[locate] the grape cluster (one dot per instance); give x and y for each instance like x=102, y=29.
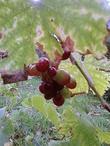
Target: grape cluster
x=55, y=82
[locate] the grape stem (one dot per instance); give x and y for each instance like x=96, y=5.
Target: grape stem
x=76, y=59
x=78, y=93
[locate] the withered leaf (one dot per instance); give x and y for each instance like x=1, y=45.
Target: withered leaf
x=68, y=44
x=20, y=75
x=40, y=52
x=57, y=59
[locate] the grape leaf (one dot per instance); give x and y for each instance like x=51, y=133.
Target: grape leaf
x=40, y=104
x=20, y=20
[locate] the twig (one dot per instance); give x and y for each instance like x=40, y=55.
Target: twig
x=78, y=93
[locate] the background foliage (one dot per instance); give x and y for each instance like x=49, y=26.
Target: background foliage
x=83, y=20
x=24, y=114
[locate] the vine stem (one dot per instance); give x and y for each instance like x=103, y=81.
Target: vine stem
x=75, y=59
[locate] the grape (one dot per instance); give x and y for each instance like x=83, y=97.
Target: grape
x=50, y=94
x=52, y=71
x=57, y=86
x=62, y=77
x=66, y=54
x=47, y=88
x=72, y=84
x=46, y=77
x=43, y=64
x=66, y=93
x=48, y=97
x=32, y=71
x=42, y=88
x=58, y=100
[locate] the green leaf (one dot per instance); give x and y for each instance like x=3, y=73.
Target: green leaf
x=47, y=109
x=84, y=21
x=84, y=135
x=52, y=114
x=18, y=19
x=100, y=79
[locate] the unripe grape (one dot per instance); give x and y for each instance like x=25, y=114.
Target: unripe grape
x=43, y=64
x=62, y=77
x=72, y=84
x=65, y=92
x=32, y=71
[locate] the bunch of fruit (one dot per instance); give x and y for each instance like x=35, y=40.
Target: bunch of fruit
x=55, y=82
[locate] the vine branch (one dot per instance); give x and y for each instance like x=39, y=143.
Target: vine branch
x=74, y=57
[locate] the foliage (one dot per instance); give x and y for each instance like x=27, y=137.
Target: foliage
x=19, y=20
x=75, y=18
x=24, y=114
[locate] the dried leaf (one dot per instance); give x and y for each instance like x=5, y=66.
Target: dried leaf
x=39, y=50
x=57, y=59
x=20, y=75
x=68, y=44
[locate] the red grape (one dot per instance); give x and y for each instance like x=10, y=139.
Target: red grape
x=47, y=88
x=42, y=88
x=48, y=97
x=58, y=100
x=52, y=71
x=57, y=86
x=72, y=84
x=43, y=64
x=50, y=94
